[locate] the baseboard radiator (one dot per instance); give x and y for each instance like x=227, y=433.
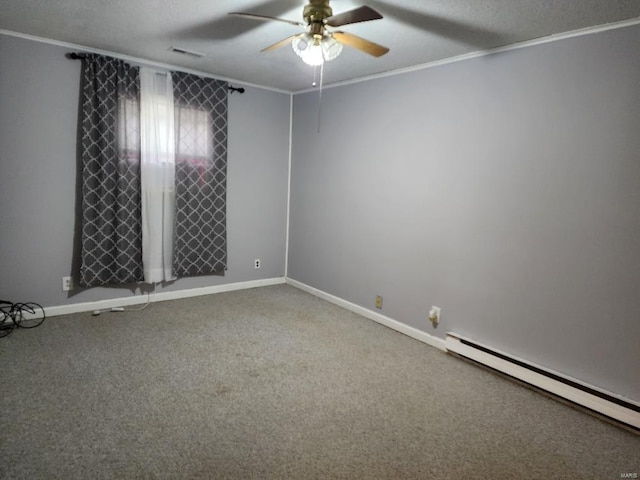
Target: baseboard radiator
x=597, y=400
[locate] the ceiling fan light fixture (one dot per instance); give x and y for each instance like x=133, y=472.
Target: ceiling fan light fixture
x=315, y=50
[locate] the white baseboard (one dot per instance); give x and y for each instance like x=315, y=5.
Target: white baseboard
x=545, y=379
x=376, y=317
x=158, y=297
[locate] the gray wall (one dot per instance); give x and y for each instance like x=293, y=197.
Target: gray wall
x=38, y=123
x=504, y=189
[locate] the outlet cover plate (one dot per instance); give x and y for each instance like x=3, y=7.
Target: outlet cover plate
x=378, y=301
x=67, y=284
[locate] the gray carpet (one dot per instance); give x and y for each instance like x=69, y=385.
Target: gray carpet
x=274, y=383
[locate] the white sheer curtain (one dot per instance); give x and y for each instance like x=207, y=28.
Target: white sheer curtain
x=157, y=170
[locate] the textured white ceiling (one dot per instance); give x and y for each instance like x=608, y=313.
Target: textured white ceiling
x=417, y=32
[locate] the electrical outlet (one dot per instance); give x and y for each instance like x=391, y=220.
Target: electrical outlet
x=378, y=301
x=67, y=284
x=256, y=263
x=434, y=315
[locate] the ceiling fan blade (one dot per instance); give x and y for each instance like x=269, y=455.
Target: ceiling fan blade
x=360, y=43
x=468, y=32
x=265, y=18
x=361, y=14
x=281, y=43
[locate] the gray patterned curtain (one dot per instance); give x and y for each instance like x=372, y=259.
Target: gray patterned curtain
x=111, y=239
x=200, y=245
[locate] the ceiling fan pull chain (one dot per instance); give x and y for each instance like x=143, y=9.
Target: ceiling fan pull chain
x=320, y=95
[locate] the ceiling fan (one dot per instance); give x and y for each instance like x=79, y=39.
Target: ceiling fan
x=320, y=43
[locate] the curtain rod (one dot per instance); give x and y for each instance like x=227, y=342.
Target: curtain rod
x=80, y=56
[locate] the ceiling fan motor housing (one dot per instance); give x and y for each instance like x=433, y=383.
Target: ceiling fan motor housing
x=315, y=14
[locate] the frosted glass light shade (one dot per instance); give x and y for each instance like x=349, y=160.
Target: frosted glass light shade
x=331, y=48
x=316, y=50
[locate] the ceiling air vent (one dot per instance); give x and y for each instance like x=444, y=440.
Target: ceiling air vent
x=186, y=52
